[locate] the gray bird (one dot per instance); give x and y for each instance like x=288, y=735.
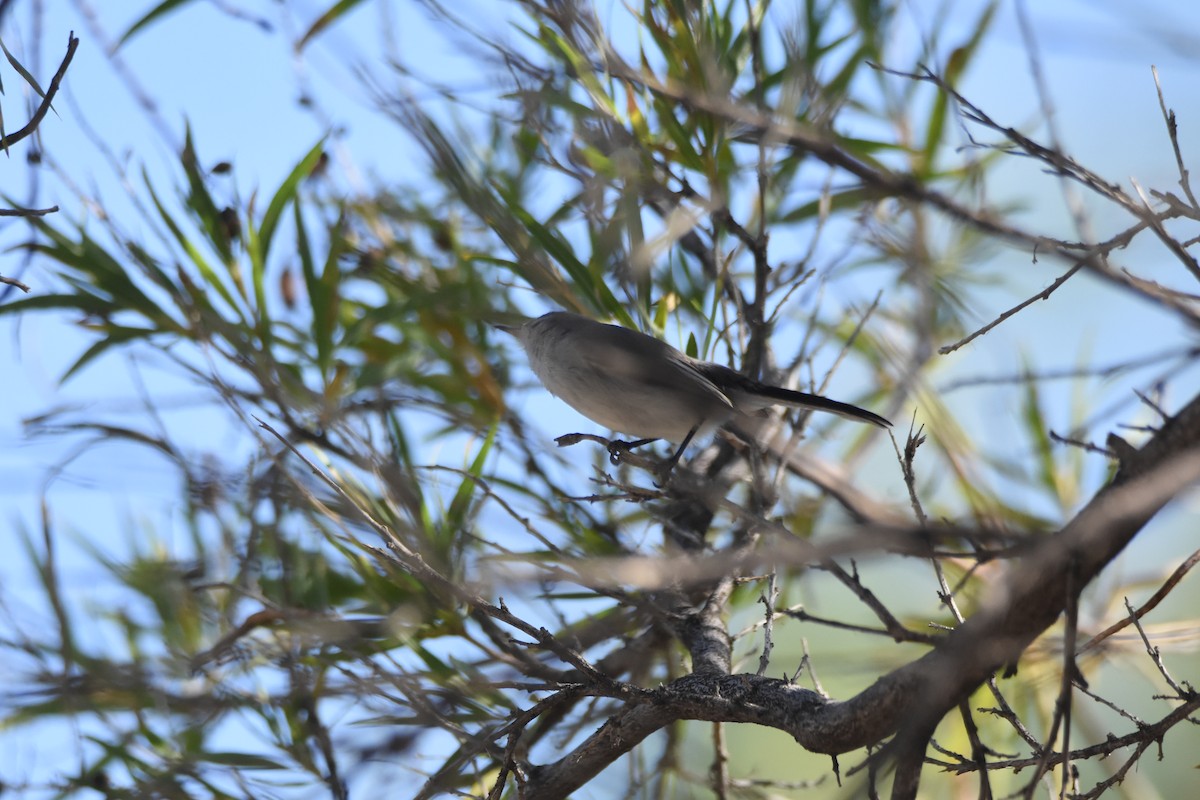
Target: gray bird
x=641, y=386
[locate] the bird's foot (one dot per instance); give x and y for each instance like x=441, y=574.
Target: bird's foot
x=618, y=448
x=662, y=475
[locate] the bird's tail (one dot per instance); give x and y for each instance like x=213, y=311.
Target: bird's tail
x=805, y=400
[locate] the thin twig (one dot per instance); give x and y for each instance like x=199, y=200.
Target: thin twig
x=1142, y=738
x=51, y=91
x=1171, y=582
x=1173, y=132
x=27, y=212
x=719, y=771
x=1042, y=295
x=414, y=563
x=1169, y=241
x=14, y=282
x=767, y=598
x=978, y=751
x=1156, y=656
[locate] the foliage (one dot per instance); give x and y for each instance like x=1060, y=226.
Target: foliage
x=399, y=575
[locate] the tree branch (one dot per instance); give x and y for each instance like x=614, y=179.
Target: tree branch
x=51, y=91
x=911, y=700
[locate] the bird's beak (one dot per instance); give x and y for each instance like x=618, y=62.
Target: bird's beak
x=512, y=330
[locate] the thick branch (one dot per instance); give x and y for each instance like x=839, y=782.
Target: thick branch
x=1036, y=590
x=912, y=699
x=805, y=714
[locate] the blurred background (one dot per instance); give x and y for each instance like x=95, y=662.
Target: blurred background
x=434, y=161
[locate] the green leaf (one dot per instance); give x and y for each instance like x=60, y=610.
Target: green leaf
x=88, y=304
x=325, y=20
x=24, y=73
x=96, y=275
x=439, y=670
x=116, y=335
x=284, y=194
x=323, y=293
x=955, y=67
x=161, y=10
x=1037, y=429
x=261, y=310
x=596, y=292
x=201, y=202
x=459, y=505
x=242, y=760
x=205, y=269
x=838, y=201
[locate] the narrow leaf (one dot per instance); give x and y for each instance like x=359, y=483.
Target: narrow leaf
x=325, y=20
x=285, y=193
x=24, y=73
x=161, y=10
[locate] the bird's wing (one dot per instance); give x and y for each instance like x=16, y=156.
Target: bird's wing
x=629, y=356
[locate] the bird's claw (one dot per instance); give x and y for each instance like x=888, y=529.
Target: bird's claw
x=616, y=449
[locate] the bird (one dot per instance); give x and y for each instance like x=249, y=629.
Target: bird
x=637, y=385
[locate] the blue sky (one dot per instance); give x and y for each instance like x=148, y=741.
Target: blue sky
x=239, y=87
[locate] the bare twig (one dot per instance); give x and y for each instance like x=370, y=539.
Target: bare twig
x=415, y=564
x=1021, y=306
x=1086, y=446
x=1109, y=370
x=27, y=212
x=14, y=282
x=1145, y=736
x=47, y=99
x=1171, y=582
x=1173, y=132
x=1156, y=656
x=767, y=598
x=897, y=633
x=1170, y=242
